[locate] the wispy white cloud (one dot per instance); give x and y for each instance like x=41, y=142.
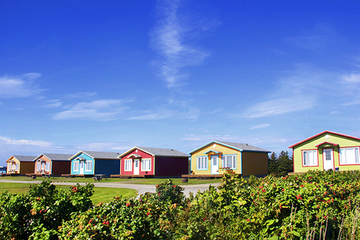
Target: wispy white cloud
x=19, y=86
x=351, y=78
x=25, y=142
x=350, y=88
x=169, y=40
x=279, y=106
x=104, y=146
x=160, y=114
x=54, y=103
x=164, y=113
x=317, y=39
x=99, y=110
x=260, y=126
x=298, y=90
x=81, y=95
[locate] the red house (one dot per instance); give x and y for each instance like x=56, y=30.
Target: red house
x=156, y=162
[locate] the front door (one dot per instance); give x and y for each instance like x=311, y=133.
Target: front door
x=328, y=159
x=214, y=164
x=82, y=167
x=136, y=166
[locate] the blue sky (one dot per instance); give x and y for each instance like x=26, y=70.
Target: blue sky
x=110, y=75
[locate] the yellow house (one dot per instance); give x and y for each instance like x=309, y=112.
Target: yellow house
x=215, y=157
x=20, y=165
x=327, y=150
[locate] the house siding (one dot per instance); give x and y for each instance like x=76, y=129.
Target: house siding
x=60, y=167
x=311, y=144
x=87, y=158
x=143, y=155
x=24, y=167
x=219, y=148
x=107, y=167
x=254, y=163
x=45, y=159
x=171, y=166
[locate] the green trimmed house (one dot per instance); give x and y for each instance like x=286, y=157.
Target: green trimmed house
x=326, y=150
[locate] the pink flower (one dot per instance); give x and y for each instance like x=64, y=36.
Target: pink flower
x=127, y=204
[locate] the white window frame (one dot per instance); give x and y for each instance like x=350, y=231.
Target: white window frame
x=47, y=166
x=127, y=164
x=17, y=167
x=229, y=160
x=38, y=166
x=310, y=158
x=76, y=166
x=202, y=162
x=146, y=164
x=88, y=166
x=345, y=157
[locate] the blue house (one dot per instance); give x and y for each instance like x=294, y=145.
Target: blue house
x=90, y=163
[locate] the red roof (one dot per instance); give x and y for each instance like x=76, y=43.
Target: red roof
x=324, y=132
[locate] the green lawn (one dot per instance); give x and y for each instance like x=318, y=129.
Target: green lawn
x=100, y=194
x=152, y=181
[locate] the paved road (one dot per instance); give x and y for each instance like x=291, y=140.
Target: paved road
x=140, y=188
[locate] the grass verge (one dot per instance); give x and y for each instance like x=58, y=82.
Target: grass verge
x=100, y=194
x=150, y=181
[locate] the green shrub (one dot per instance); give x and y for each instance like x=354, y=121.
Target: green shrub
x=38, y=214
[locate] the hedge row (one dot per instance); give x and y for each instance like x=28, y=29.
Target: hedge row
x=316, y=205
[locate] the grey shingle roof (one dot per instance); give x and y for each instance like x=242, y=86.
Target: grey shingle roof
x=243, y=146
x=57, y=156
x=102, y=155
x=24, y=158
x=239, y=146
x=164, y=152
x=169, y=152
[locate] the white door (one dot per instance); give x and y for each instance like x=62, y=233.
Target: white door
x=214, y=164
x=328, y=159
x=82, y=166
x=136, y=166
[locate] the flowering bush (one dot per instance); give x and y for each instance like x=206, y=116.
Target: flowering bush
x=38, y=214
x=315, y=205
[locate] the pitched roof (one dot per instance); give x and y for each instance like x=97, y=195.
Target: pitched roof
x=98, y=154
x=322, y=133
x=163, y=152
x=239, y=146
x=56, y=156
x=24, y=158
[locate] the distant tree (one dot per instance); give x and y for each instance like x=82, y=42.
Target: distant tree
x=281, y=165
x=272, y=163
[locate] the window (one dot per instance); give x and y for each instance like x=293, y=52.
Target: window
x=202, y=163
x=47, y=166
x=310, y=158
x=88, y=166
x=145, y=164
x=128, y=164
x=229, y=161
x=76, y=166
x=38, y=166
x=17, y=167
x=349, y=155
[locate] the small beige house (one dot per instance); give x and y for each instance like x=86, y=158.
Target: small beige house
x=215, y=157
x=326, y=150
x=20, y=165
